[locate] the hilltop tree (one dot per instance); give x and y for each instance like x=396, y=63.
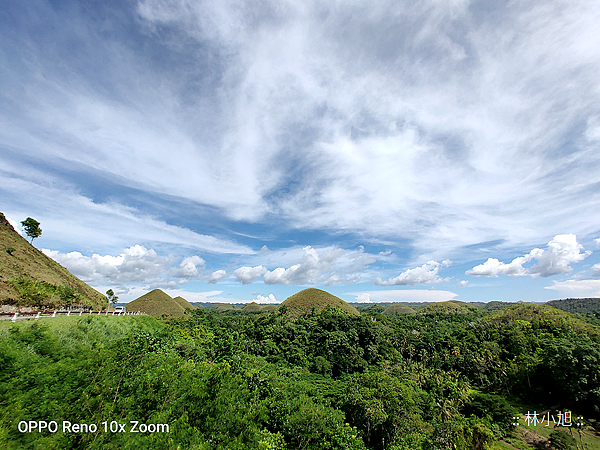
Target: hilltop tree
x=32, y=228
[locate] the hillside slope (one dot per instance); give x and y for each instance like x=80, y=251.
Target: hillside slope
x=30, y=278
x=304, y=301
x=184, y=303
x=156, y=303
x=577, y=305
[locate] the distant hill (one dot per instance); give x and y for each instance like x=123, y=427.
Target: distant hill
x=269, y=307
x=577, y=305
x=184, y=303
x=448, y=307
x=252, y=307
x=156, y=303
x=222, y=307
x=30, y=278
x=304, y=301
x=398, y=308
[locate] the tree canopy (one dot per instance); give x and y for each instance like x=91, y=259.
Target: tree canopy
x=32, y=228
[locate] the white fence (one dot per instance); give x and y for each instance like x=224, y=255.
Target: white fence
x=36, y=315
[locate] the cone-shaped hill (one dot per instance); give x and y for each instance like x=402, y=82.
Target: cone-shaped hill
x=304, y=301
x=29, y=278
x=398, y=308
x=156, y=303
x=448, y=307
x=222, y=307
x=252, y=307
x=184, y=303
x=269, y=307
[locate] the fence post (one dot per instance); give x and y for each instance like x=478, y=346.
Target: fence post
x=14, y=319
x=69, y=314
x=54, y=315
x=38, y=315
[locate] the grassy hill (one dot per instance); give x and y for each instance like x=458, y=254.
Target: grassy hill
x=184, y=303
x=577, y=305
x=252, y=307
x=28, y=278
x=448, y=307
x=156, y=303
x=222, y=307
x=398, y=308
x=304, y=301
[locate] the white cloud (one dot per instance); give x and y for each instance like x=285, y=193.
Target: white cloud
x=268, y=299
x=562, y=251
x=463, y=283
x=596, y=270
x=407, y=295
x=426, y=274
x=76, y=221
x=577, y=288
x=329, y=266
x=246, y=275
x=435, y=121
x=190, y=267
x=364, y=298
x=134, y=264
x=16, y=225
x=216, y=276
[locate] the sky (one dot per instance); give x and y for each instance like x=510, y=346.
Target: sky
x=237, y=151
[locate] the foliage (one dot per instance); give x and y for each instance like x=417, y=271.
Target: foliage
x=32, y=228
x=560, y=440
x=110, y=294
x=46, y=295
x=325, y=380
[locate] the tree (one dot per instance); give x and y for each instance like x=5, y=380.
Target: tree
x=32, y=228
x=112, y=297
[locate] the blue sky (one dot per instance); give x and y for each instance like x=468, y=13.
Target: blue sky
x=239, y=151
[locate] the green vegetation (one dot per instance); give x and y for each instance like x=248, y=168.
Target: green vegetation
x=41, y=295
x=322, y=380
x=577, y=305
x=305, y=301
x=112, y=298
x=32, y=228
x=156, y=303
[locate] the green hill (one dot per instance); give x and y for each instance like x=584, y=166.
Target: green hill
x=398, y=308
x=304, y=301
x=252, y=307
x=448, y=307
x=156, y=303
x=577, y=305
x=269, y=307
x=184, y=303
x=222, y=307
x=28, y=278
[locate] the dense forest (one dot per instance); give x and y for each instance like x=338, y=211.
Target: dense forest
x=326, y=380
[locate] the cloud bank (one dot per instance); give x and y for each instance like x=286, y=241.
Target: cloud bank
x=562, y=251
